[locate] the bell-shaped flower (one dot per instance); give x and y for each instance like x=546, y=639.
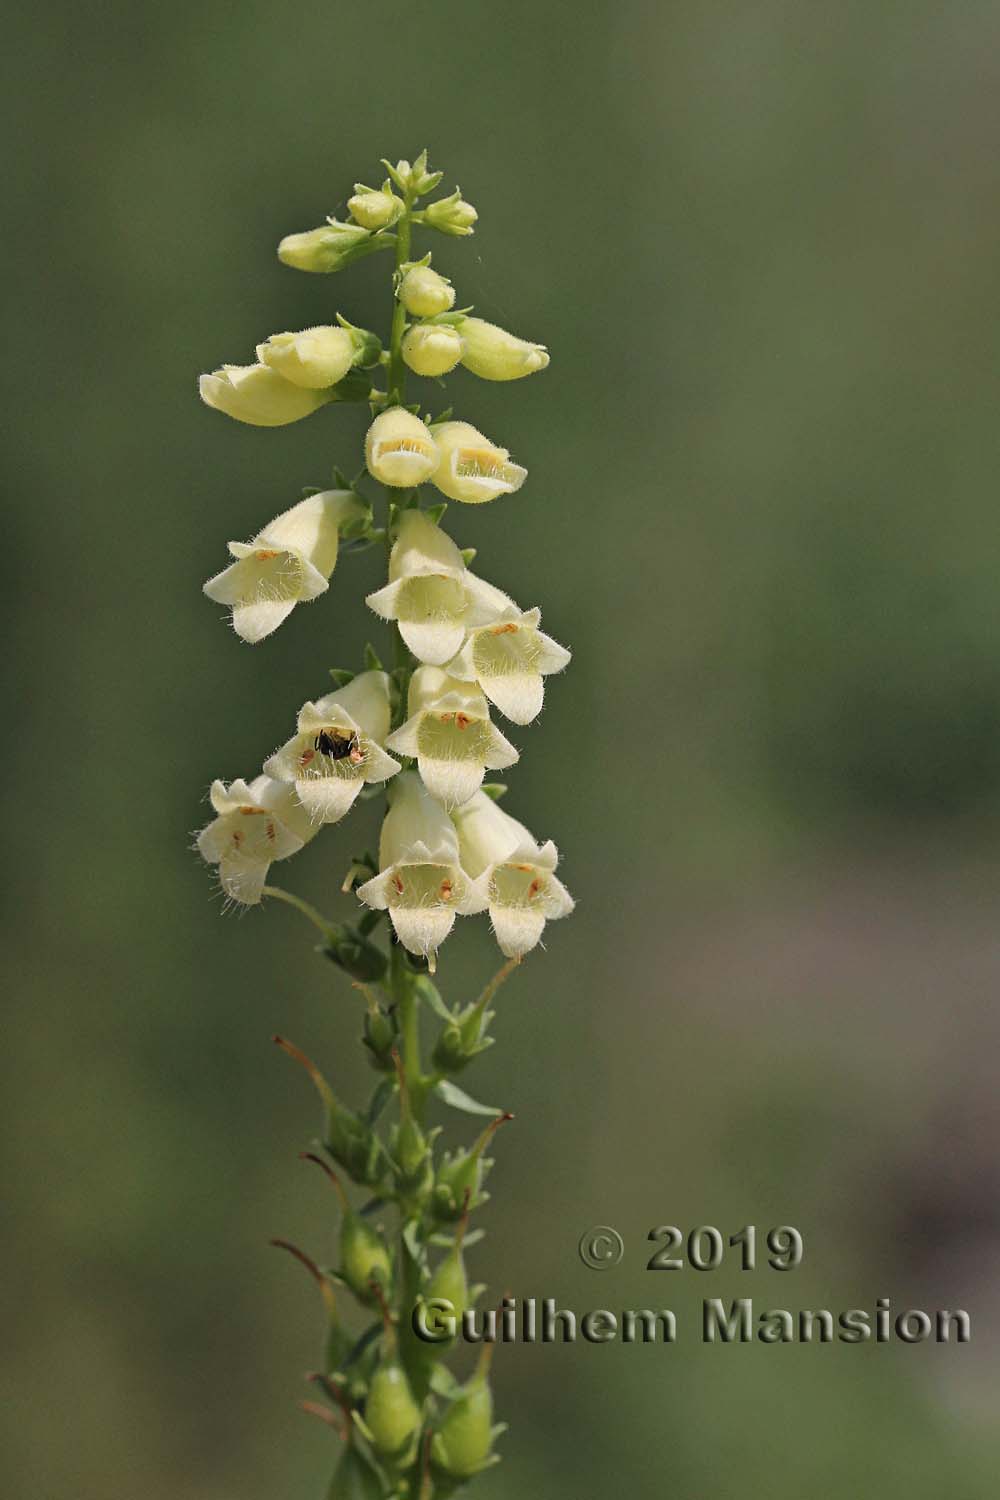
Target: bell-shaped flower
x=431, y=594
x=471, y=468
x=494, y=354
x=254, y=825
x=288, y=562
x=399, y=449
x=315, y=358
x=516, y=873
x=432, y=348
x=508, y=658
x=420, y=882
x=259, y=396
x=450, y=735
x=337, y=747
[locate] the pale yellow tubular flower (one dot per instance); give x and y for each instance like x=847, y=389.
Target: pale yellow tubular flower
x=255, y=824
x=509, y=658
x=449, y=734
x=494, y=354
x=258, y=396
x=432, y=348
x=431, y=594
x=399, y=449
x=338, y=747
x=287, y=563
x=470, y=468
x=515, y=874
x=315, y=358
x=420, y=882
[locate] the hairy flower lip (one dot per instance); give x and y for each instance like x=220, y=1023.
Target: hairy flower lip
x=471, y=469
x=255, y=824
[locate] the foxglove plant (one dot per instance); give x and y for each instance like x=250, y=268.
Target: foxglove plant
x=420, y=731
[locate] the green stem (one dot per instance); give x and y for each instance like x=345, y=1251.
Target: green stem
x=397, y=369
x=325, y=927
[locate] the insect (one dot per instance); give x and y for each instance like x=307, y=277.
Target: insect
x=337, y=745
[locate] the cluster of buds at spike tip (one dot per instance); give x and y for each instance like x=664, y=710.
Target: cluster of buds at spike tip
x=422, y=736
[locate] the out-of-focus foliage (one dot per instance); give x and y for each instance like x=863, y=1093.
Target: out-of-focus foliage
x=761, y=244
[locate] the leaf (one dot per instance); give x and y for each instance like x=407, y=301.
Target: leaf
x=446, y=1241
x=427, y=990
x=495, y=789
x=411, y=1239
x=341, y=676
x=380, y=1099
x=443, y=1383
x=368, y=1337
x=373, y=662
x=449, y=1093
x=435, y=512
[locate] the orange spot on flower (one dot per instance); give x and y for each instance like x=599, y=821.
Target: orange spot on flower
x=509, y=629
x=253, y=812
x=462, y=721
x=266, y=554
x=445, y=890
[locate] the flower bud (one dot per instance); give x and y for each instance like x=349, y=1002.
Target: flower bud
x=424, y=293
x=314, y=358
x=258, y=395
x=494, y=354
x=374, y=209
x=348, y=1138
x=392, y=1416
x=351, y=951
x=399, y=449
x=328, y=248
x=471, y=468
x=451, y=215
x=432, y=348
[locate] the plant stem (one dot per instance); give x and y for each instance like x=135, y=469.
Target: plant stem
x=325, y=927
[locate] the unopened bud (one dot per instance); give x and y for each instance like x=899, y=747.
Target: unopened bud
x=432, y=348
x=314, y=358
x=328, y=248
x=424, y=293
x=258, y=396
x=494, y=354
x=374, y=209
x=451, y=215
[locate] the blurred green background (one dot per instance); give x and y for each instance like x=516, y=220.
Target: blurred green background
x=761, y=242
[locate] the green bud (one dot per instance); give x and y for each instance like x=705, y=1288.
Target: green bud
x=328, y=248
x=463, y=1444
x=450, y=1284
x=392, y=1416
x=494, y=354
x=451, y=215
x=424, y=293
x=411, y=1150
x=432, y=349
x=354, y=1478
